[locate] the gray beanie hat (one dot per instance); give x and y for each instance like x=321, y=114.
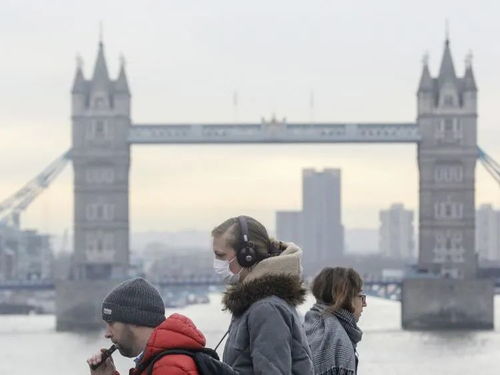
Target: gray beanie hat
x=134, y=301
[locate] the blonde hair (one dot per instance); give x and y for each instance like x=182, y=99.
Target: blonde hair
x=264, y=245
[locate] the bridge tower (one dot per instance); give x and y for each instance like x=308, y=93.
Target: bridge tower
x=450, y=295
x=447, y=118
x=101, y=159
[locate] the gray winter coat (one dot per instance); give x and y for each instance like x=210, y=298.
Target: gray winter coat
x=266, y=336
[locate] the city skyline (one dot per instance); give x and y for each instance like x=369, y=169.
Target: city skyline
x=342, y=83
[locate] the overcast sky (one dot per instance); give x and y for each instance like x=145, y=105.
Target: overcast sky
x=185, y=59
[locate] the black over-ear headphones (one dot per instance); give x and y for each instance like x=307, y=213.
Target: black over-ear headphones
x=245, y=254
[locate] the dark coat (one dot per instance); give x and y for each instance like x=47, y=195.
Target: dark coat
x=266, y=334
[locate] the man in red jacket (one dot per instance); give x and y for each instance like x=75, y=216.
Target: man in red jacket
x=134, y=313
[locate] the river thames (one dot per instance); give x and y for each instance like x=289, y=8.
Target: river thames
x=30, y=344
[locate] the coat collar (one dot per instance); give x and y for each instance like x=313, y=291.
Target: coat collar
x=238, y=298
x=177, y=331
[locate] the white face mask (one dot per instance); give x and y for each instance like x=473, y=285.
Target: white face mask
x=221, y=268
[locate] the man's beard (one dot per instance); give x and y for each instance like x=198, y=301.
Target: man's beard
x=125, y=345
x=125, y=351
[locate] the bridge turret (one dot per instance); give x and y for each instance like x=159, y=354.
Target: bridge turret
x=469, y=87
x=425, y=94
x=101, y=88
x=79, y=91
x=447, y=83
x=122, y=91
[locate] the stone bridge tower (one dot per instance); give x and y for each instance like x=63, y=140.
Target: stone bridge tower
x=447, y=118
x=101, y=160
x=449, y=296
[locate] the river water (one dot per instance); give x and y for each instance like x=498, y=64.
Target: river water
x=30, y=345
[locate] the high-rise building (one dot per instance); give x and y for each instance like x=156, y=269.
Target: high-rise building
x=488, y=233
x=396, y=233
x=318, y=227
x=323, y=233
x=289, y=227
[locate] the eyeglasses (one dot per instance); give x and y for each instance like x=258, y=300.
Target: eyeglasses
x=363, y=297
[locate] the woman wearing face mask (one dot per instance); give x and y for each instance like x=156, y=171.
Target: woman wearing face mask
x=265, y=286
x=331, y=324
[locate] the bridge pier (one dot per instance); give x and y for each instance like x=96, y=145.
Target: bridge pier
x=434, y=304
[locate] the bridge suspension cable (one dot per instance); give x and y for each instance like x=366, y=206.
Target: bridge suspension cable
x=11, y=207
x=489, y=164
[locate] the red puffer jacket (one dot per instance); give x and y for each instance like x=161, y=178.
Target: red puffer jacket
x=177, y=331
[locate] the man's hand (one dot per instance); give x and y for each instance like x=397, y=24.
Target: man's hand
x=107, y=368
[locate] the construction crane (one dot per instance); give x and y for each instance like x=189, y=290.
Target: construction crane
x=489, y=164
x=11, y=207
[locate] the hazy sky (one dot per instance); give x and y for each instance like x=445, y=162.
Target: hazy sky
x=184, y=61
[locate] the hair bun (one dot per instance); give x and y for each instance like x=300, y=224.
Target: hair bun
x=276, y=247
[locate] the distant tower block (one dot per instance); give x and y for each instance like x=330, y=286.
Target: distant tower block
x=323, y=232
x=396, y=232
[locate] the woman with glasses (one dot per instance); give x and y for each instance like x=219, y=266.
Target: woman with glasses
x=331, y=324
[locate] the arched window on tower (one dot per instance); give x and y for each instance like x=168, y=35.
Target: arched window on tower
x=449, y=101
x=100, y=175
x=448, y=209
x=99, y=129
x=448, y=96
x=449, y=130
x=100, y=211
x=99, y=102
x=100, y=246
x=448, y=247
x=448, y=172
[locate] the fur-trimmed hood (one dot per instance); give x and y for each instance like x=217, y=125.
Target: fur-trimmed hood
x=288, y=262
x=279, y=276
x=238, y=298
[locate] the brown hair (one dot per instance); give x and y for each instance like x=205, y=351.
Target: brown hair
x=337, y=287
x=257, y=234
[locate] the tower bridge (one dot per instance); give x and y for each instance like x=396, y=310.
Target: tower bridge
x=444, y=133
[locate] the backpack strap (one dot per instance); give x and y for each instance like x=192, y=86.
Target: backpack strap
x=208, y=351
x=222, y=339
x=193, y=353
